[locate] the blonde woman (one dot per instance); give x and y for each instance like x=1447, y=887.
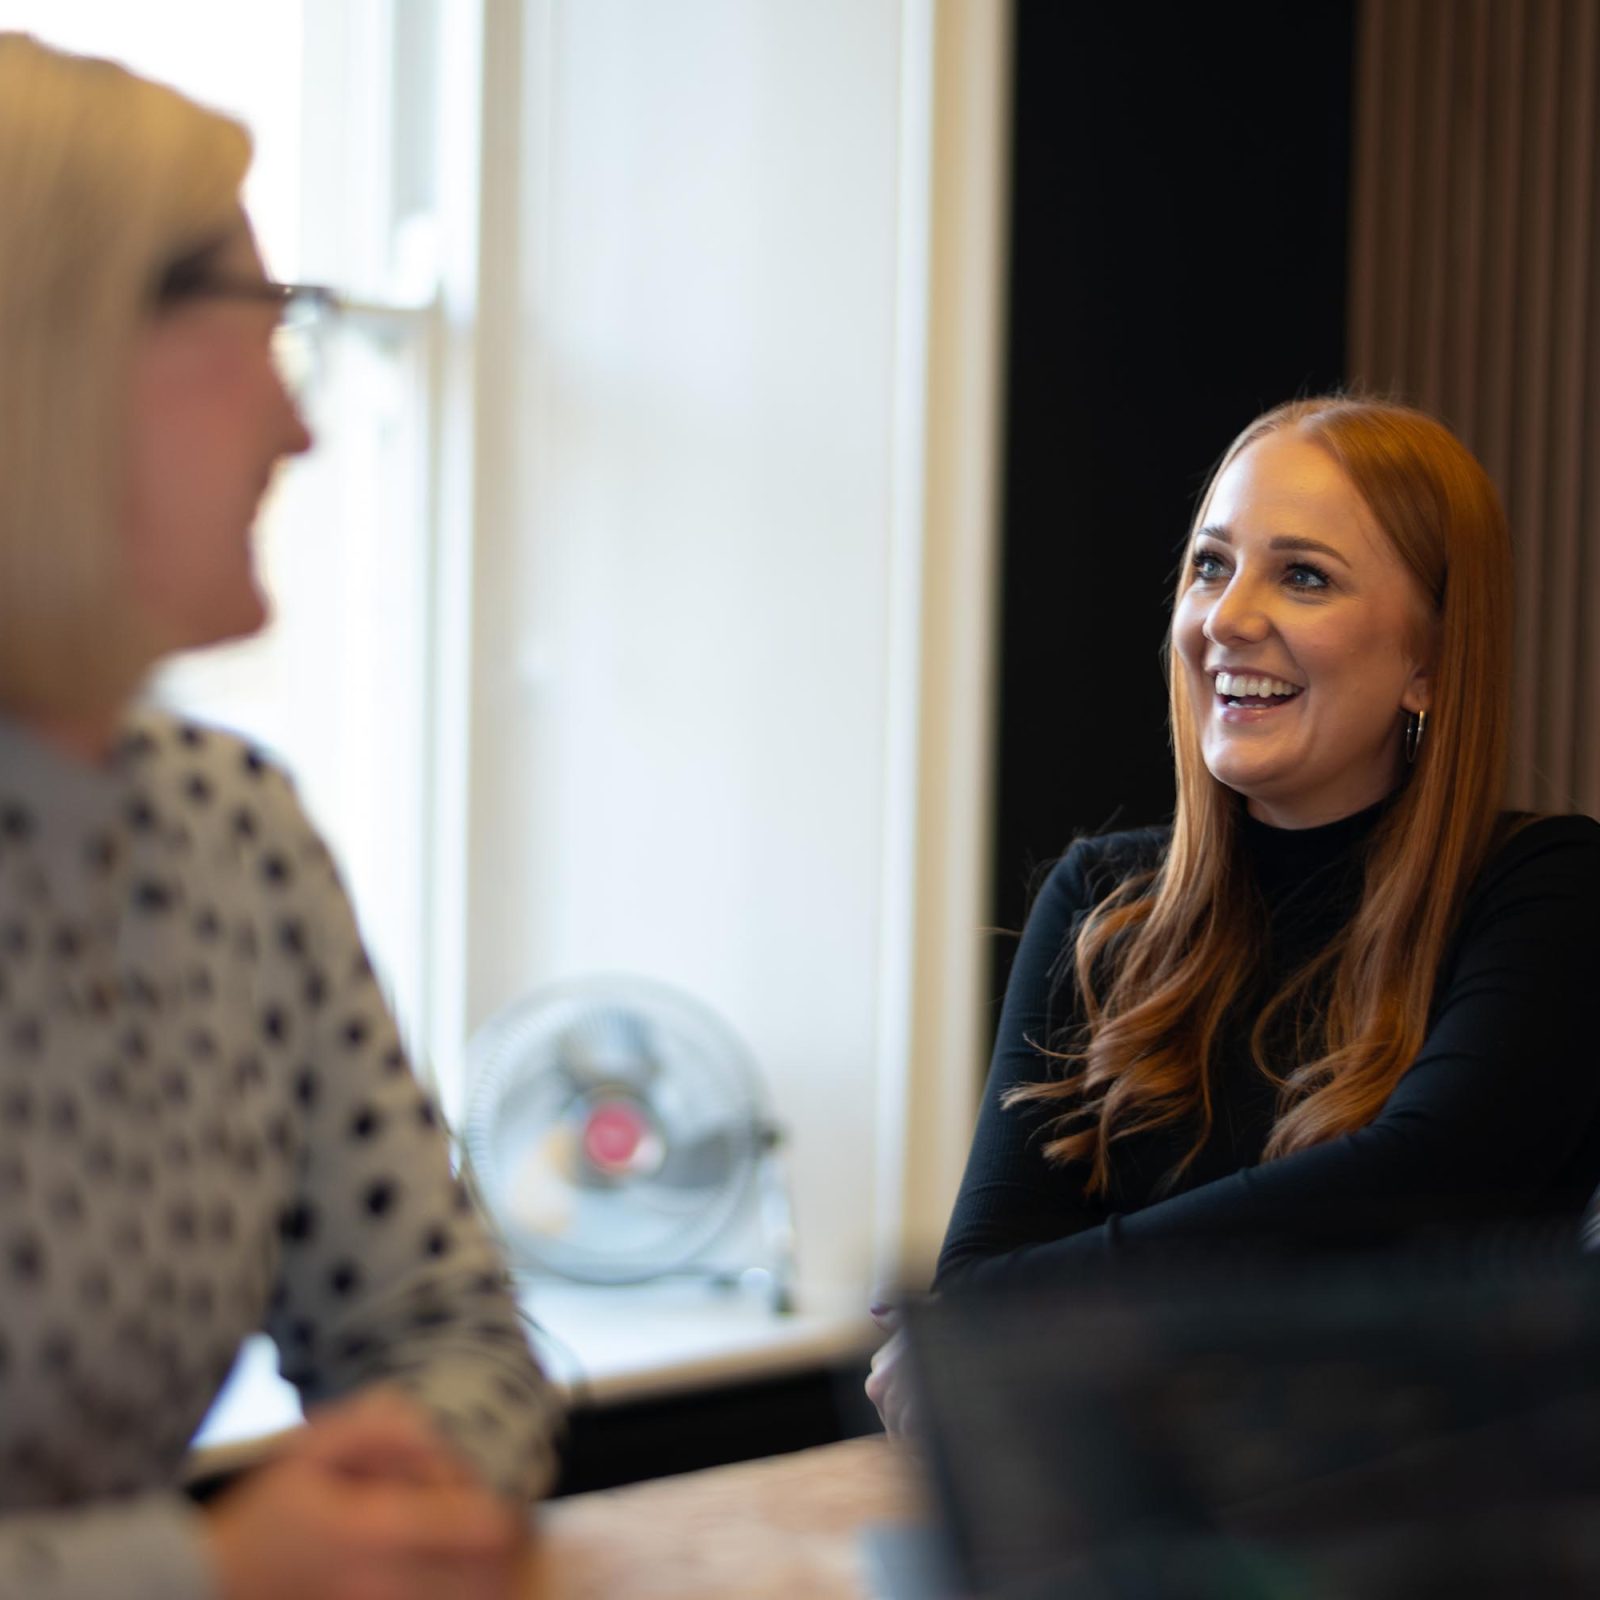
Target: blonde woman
x=1345, y=993
x=207, y=1125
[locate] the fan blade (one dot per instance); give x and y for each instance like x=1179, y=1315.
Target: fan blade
x=609, y=1046
x=706, y=1162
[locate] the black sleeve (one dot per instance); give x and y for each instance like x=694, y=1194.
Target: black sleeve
x=1504, y=1095
x=1010, y=1195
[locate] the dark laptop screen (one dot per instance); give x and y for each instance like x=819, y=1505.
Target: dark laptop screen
x=1409, y=1425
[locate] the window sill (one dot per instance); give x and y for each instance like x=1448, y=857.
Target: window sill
x=643, y=1341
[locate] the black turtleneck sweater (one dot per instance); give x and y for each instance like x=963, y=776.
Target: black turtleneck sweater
x=1499, y=1116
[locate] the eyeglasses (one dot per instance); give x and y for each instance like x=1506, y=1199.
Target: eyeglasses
x=306, y=314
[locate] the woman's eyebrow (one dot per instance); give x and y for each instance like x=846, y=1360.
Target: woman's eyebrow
x=1287, y=541
x=1282, y=541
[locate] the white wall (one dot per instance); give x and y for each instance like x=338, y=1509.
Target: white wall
x=699, y=743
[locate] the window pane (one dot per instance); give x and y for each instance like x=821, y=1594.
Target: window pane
x=244, y=60
x=337, y=686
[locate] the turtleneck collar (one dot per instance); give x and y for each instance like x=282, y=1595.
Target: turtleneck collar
x=1286, y=855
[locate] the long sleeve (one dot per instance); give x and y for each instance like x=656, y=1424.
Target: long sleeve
x=207, y=1125
x=1498, y=1115
x=387, y=1272
x=147, y=1547
x=1010, y=1196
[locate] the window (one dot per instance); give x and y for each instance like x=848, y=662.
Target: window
x=633, y=612
x=342, y=191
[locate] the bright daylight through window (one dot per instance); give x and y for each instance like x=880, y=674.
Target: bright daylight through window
x=337, y=687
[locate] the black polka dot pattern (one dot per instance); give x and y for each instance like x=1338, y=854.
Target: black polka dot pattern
x=207, y=1126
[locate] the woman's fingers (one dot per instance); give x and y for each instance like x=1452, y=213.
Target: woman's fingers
x=431, y=1521
x=380, y=1434
x=888, y=1388
x=300, y=1528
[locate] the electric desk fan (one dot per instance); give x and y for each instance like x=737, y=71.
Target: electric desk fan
x=617, y=1133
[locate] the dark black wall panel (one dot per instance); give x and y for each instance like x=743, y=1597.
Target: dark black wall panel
x=1178, y=263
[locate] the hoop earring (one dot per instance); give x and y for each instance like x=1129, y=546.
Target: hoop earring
x=1416, y=727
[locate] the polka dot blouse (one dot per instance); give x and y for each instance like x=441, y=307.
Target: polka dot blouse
x=207, y=1127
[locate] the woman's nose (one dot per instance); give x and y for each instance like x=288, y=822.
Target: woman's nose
x=1237, y=615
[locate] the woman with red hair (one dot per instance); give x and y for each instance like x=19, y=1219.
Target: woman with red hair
x=1344, y=994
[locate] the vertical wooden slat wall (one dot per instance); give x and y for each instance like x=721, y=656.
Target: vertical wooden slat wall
x=1475, y=293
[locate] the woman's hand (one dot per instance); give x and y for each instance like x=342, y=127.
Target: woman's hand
x=379, y=1433
x=366, y=1503
x=888, y=1386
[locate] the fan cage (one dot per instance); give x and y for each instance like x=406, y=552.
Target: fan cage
x=515, y=1048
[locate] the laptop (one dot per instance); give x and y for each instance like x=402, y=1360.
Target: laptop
x=1412, y=1425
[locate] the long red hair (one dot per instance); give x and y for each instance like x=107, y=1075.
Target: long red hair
x=1161, y=961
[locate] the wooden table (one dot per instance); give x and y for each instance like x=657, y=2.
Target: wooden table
x=787, y=1528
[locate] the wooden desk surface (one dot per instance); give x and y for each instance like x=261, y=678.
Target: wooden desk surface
x=787, y=1528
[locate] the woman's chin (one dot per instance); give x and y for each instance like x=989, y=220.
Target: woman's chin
x=1251, y=774
x=242, y=619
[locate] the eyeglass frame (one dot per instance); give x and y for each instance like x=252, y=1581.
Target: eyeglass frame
x=268, y=290
x=315, y=301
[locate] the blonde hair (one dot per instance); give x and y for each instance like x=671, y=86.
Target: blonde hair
x=1160, y=963
x=105, y=180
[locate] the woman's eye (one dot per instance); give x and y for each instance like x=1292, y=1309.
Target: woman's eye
x=1302, y=575
x=1207, y=565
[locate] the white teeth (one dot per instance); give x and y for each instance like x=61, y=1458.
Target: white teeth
x=1239, y=685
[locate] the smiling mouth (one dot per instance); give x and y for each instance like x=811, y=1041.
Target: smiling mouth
x=1255, y=691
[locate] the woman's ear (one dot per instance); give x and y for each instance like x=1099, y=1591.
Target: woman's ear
x=1418, y=693
x=1424, y=649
